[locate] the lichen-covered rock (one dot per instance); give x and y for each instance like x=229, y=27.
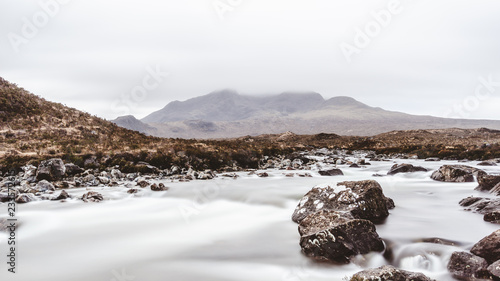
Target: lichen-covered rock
x=389, y=273
x=488, y=247
x=340, y=241
x=363, y=199
x=405, y=168
x=92, y=196
x=494, y=270
x=331, y=172
x=52, y=169
x=323, y=219
x=487, y=182
x=456, y=173
x=466, y=266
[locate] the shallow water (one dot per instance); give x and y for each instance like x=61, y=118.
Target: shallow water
x=227, y=229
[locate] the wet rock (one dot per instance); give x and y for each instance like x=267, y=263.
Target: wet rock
x=466, y=266
x=159, y=187
x=92, y=196
x=263, y=175
x=456, y=173
x=62, y=196
x=305, y=175
x=481, y=205
x=432, y=159
x=43, y=186
x=72, y=169
x=440, y=241
x=487, y=163
x=494, y=270
x=322, y=220
x=340, y=239
x=206, y=175
x=493, y=217
x=388, y=273
x=133, y=190
x=363, y=199
x=354, y=165
x=331, y=172
x=51, y=170
x=488, y=247
x=496, y=190
x=487, y=182
x=4, y=197
x=25, y=198
x=142, y=183
x=405, y=168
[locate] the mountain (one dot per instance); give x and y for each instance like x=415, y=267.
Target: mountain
x=223, y=114
x=132, y=123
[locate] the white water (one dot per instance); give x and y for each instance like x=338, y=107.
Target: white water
x=227, y=229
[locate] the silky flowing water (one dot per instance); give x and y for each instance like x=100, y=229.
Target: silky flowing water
x=233, y=229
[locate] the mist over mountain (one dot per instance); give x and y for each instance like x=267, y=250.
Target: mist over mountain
x=226, y=113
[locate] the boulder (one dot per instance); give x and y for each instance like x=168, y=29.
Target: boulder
x=493, y=217
x=25, y=198
x=494, y=270
x=51, y=170
x=43, y=186
x=456, y=173
x=405, y=168
x=466, y=266
x=142, y=183
x=159, y=187
x=72, y=169
x=104, y=180
x=388, y=273
x=331, y=172
x=4, y=197
x=263, y=175
x=62, y=196
x=487, y=182
x=133, y=190
x=92, y=196
x=354, y=165
x=336, y=238
x=116, y=174
x=488, y=247
x=363, y=199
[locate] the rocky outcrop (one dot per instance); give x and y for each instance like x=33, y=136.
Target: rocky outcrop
x=337, y=223
x=488, y=247
x=388, y=273
x=467, y=266
x=457, y=173
x=405, y=168
x=331, y=172
x=51, y=170
x=363, y=199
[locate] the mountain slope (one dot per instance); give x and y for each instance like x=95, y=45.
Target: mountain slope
x=223, y=114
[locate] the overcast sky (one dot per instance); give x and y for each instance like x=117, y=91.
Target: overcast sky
x=111, y=57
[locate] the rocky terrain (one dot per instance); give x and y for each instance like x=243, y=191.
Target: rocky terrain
x=223, y=114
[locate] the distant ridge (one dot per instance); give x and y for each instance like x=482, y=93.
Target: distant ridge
x=225, y=113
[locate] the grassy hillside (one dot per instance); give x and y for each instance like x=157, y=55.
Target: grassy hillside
x=33, y=129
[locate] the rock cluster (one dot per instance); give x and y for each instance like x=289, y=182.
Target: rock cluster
x=337, y=223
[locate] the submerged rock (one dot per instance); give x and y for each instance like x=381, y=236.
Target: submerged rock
x=488, y=247
x=51, y=170
x=456, y=173
x=466, y=266
x=388, y=273
x=363, y=199
x=405, y=168
x=331, y=172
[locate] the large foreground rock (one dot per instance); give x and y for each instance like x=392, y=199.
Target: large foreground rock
x=457, y=173
x=363, y=199
x=405, y=168
x=329, y=236
x=51, y=170
x=388, y=273
x=488, y=247
x=467, y=266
